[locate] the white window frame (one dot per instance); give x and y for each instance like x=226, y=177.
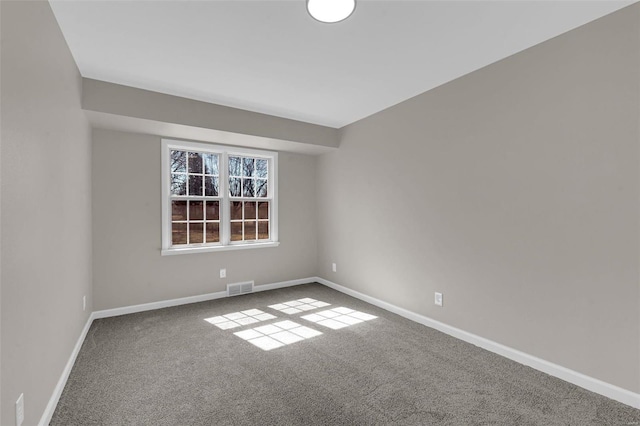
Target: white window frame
x=224, y=152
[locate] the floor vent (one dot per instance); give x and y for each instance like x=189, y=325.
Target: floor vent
x=239, y=288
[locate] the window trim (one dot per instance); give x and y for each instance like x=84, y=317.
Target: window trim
x=223, y=193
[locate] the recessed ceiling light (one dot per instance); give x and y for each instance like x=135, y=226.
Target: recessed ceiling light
x=330, y=11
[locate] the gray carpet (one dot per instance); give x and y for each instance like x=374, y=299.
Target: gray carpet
x=171, y=367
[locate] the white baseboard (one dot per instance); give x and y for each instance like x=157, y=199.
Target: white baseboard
x=594, y=385
x=57, y=391
x=158, y=305
x=192, y=299
x=284, y=284
x=598, y=386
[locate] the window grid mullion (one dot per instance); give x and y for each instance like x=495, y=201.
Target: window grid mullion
x=225, y=210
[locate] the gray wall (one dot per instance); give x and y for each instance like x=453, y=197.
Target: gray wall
x=514, y=191
x=127, y=266
x=46, y=207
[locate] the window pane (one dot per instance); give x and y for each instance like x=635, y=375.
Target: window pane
x=263, y=230
x=211, y=186
x=179, y=161
x=263, y=210
x=178, y=233
x=234, y=166
x=195, y=162
x=236, y=231
x=261, y=187
x=210, y=164
x=195, y=185
x=249, y=210
x=213, y=210
x=234, y=187
x=196, y=234
x=248, y=188
x=236, y=210
x=179, y=184
x=247, y=166
x=250, y=230
x=178, y=210
x=261, y=168
x=213, y=232
x=196, y=210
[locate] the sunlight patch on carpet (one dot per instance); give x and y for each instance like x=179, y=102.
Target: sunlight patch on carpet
x=276, y=335
x=283, y=333
x=238, y=319
x=338, y=318
x=301, y=305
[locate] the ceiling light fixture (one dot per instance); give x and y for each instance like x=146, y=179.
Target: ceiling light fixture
x=330, y=11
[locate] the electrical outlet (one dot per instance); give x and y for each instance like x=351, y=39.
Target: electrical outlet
x=84, y=303
x=334, y=267
x=20, y=410
x=438, y=299
x=223, y=273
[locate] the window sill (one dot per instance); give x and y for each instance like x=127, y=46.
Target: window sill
x=188, y=250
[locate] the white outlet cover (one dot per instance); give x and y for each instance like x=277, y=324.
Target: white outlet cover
x=438, y=299
x=20, y=410
x=223, y=273
x=334, y=267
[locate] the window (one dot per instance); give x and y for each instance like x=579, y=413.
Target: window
x=217, y=198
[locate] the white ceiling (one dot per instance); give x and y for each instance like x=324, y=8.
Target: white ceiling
x=272, y=57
